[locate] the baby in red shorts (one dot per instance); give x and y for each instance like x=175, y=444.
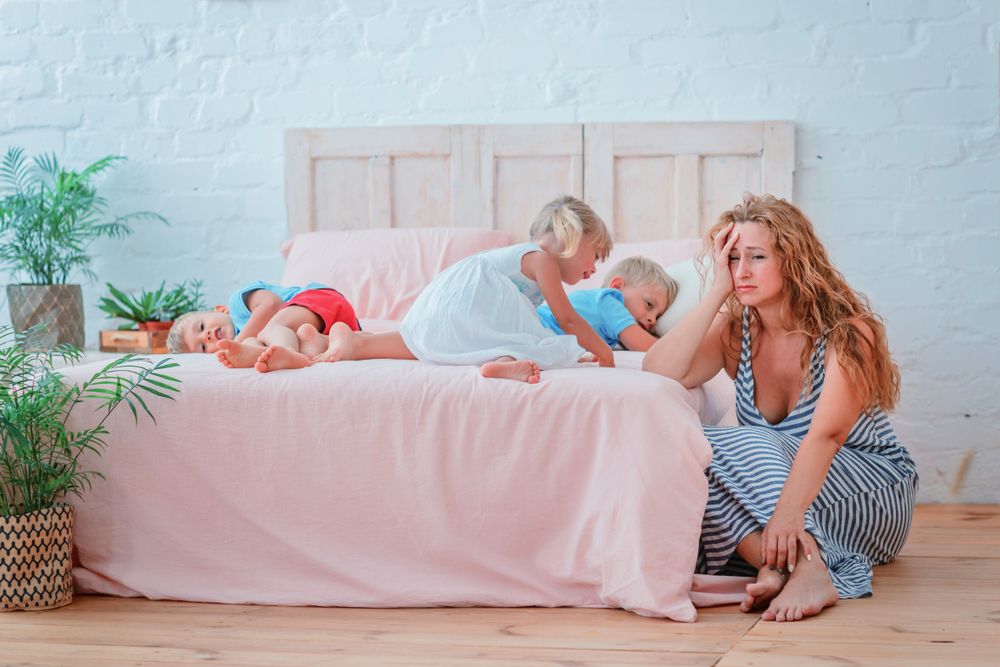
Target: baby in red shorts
x=267, y=327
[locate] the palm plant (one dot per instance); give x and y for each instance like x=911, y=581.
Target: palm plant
x=50, y=215
x=39, y=453
x=160, y=305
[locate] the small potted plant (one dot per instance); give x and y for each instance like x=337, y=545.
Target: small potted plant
x=150, y=315
x=152, y=310
x=40, y=458
x=48, y=217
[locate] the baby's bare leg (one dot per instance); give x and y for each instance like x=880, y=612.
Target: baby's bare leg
x=311, y=341
x=279, y=335
x=239, y=355
x=281, y=329
x=348, y=345
x=276, y=358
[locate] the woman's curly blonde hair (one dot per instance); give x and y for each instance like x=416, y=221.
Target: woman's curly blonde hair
x=818, y=300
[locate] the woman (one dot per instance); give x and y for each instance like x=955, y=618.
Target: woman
x=812, y=488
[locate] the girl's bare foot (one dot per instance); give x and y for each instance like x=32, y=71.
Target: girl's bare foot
x=769, y=583
x=808, y=592
x=277, y=358
x=341, y=346
x=524, y=370
x=311, y=341
x=237, y=355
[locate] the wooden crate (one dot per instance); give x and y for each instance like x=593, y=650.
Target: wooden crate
x=139, y=342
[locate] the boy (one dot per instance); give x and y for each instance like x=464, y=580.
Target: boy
x=635, y=293
x=265, y=326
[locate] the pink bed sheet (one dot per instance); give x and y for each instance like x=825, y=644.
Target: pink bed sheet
x=403, y=484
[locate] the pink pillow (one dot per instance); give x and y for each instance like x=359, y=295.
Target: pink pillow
x=381, y=271
x=665, y=253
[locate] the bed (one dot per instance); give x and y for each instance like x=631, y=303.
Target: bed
x=389, y=483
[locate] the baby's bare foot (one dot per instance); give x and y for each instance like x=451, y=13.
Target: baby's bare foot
x=341, y=346
x=237, y=355
x=769, y=583
x=277, y=358
x=311, y=341
x=808, y=592
x=524, y=370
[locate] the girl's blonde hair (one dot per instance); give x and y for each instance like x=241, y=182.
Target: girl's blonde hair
x=570, y=219
x=818, y=300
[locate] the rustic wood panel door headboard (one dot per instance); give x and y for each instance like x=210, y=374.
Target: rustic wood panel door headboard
x=647, y=180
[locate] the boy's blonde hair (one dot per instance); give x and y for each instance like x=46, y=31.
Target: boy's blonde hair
x=570, y=219
x=640, y=270
x=175, y=338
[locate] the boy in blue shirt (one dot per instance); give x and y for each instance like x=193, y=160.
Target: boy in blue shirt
x=267, y=327
x=623, y=312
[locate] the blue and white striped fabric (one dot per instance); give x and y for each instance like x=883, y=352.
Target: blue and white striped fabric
x=862, y=514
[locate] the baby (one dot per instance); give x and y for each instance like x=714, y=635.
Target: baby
x=624, y=311
x=267, y=327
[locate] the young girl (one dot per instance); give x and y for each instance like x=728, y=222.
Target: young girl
x=481, y=310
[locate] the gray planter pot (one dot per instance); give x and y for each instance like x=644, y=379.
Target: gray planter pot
x=58, y=308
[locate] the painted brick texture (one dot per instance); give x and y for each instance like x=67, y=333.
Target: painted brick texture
x=895, y=103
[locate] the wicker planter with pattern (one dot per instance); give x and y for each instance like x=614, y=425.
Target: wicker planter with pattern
x=58, y=307
x=36, y=559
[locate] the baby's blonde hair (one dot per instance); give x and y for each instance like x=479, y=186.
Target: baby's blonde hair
x=175, y=338
x=638, y=270
x=570, y=219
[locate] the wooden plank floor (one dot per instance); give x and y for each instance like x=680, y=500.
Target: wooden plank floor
x=938, y=604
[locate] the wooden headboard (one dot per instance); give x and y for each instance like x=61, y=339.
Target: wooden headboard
x=648, y=181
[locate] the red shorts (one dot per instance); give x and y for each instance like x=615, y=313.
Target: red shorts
x=329, y=304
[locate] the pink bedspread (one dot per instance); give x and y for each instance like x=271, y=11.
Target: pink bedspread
x=397, y=484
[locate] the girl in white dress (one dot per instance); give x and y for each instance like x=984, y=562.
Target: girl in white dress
x=481, y=310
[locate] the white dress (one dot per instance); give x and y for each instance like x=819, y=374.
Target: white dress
x=482, y=308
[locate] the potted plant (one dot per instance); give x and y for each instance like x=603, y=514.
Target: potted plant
x=40, y=458
x=153, y=309
x=150, y=315
x=48, y=217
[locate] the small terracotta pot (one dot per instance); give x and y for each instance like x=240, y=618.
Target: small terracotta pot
x=155, y=326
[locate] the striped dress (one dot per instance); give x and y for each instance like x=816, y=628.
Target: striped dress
x=862, y=514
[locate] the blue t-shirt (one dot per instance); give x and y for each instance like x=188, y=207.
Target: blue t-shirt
x=604, y=309
x=238, y=306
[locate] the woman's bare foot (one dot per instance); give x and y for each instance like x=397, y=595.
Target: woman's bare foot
x=237, y=355
x=808, y=592
x=524, y=370
x=341, y=347
x=311, y=341
x=277, y=358
x=769, y=583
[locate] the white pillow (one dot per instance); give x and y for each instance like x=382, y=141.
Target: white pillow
x=689, y=292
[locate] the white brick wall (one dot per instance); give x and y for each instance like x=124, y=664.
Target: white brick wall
x=895, y=102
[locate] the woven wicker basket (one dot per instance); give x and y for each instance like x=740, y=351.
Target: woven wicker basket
x=36, y=559
x=58, y=307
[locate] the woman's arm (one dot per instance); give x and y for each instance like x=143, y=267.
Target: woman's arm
x=262, y=304
x=546, y=274
x=836, y=412
x=693, y=352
